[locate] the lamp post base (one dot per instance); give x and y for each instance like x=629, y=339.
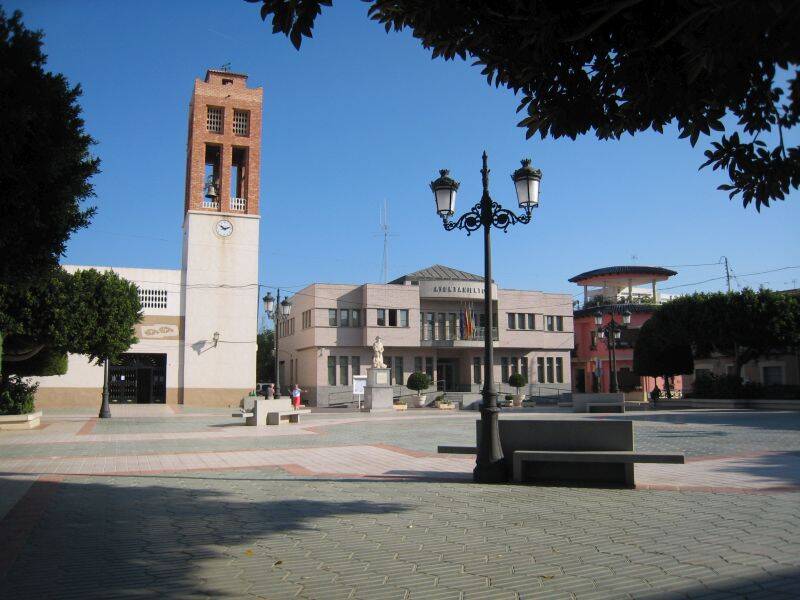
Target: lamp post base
x=492, y=472
x=489, y=465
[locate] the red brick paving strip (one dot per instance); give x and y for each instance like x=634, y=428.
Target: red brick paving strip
x=18, y=523
x=88, y=427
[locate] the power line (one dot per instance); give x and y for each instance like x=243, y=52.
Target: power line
x=672, y=287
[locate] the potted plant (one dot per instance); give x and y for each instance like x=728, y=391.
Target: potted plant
x=508, y=399
x=518, y=380
x=17, y=410
x=443, y=402
x=418, y=382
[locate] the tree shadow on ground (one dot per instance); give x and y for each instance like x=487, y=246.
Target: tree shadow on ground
x=784, y=467
x=119, y=537
x=769, y=420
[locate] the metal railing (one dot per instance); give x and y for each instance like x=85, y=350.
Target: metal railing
x=426, y=335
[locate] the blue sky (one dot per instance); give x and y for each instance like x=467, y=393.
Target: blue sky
x=359, y=116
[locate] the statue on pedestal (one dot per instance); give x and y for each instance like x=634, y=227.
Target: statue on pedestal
x=377, y=359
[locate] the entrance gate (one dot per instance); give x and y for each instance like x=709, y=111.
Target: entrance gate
x=138, y=379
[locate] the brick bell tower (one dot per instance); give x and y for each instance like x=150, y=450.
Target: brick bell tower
x=220, y=240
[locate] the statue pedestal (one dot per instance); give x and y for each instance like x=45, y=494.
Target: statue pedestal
x=378, y=395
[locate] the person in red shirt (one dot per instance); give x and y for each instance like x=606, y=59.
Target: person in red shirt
x=296, y=396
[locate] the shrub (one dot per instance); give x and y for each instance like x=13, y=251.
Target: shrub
x=418, y=381
x=17, y=397
x=517, y=380
x=509, y=397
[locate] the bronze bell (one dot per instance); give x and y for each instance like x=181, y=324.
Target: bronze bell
x=211, y=190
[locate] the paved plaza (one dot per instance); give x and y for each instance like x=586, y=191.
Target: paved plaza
x=162, y=502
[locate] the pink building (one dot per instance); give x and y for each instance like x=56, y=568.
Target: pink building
x=613, y=291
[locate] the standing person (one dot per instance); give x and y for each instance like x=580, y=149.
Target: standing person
x=296, y=396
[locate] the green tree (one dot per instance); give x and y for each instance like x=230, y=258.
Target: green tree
x=613, y=67
x=747, y=325
x=265, y=356
x=86, y=312
x=418, y=382
x=517, y=380
x=45, y=155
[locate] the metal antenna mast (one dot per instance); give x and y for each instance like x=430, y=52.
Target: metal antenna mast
x=384, y=227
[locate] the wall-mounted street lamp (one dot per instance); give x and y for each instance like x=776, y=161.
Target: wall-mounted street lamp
x=215, y=338
x=489, y=465
x=612, y=333
x=277, y=316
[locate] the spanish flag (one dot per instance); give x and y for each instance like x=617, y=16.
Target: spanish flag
x=469, y=329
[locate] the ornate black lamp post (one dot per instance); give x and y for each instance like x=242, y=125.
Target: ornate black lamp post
x=489, y=466
x=105, y=409
x=612, y=332
x=277, y=316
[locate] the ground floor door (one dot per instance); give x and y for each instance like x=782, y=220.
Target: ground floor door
x=580, y=381
x=447, y=374
x=138, y=379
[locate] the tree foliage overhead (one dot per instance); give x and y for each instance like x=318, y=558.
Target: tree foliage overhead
x=45, y=158
x=746, y=325
x=624, y=66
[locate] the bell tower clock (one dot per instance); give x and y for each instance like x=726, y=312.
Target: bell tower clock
x=220, y=240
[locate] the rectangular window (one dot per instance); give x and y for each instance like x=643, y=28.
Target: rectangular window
x=593, y=342
x=559, y=370
x=387, y=360
x=392, y=317
x=214, y=119
x=241, y=122
x=332, y=317
x=355, y=363
x=521, y=321
x=550, y=323
x=504, y=369
x=403, y=317
x=476, y=369
x=531, y=321
x=549, y=370
x=238, y=180
x=417, y=364
x=153, y=298
x=344, y=317
x=559, y=323
x=440, y=317
x=331, y=370
x=512, y=321
x=381, y=317
x=451, y=326
x=524, y=365
x=398, y=370
x=355, y=318
x=429, y=366
x=540, y=369
x=428, y=330
x=343, y=364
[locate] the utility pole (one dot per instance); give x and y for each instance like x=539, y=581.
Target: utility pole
x=727, y=272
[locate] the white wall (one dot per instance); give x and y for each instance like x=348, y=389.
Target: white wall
x=209, y=262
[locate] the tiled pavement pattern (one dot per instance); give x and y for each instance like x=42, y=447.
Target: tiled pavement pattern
x=213, y=514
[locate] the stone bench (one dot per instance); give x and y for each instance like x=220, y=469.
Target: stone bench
x=273, y=411
x=578, y=451
x=609, y=466
x=286, y=416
